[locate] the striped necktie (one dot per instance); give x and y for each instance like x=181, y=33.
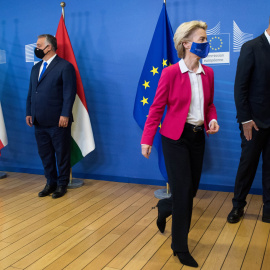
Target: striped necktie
x=43, y=70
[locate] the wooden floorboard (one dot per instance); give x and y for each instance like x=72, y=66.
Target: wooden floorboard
x=112, y=226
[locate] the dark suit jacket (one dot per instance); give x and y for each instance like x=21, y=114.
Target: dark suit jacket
x=53, y=96
x=252, y=82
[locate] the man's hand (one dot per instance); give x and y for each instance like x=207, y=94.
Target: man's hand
x=146, y=150
x=214, y=128
x=29, y=121
x=63, y=121
x=247, y=128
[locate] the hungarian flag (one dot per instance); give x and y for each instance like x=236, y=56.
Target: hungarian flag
x=81, y=131
x=3, y=134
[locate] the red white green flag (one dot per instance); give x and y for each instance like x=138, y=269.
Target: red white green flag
x=81, y=131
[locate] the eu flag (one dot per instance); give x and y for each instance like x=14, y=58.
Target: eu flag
x=160, y=55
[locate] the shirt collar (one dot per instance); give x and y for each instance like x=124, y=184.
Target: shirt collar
x=185, y=69
x=267, y=36
x=49, y=60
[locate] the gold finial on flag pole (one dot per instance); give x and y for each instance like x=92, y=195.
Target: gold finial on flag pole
x=63, y=4
x=165, y=2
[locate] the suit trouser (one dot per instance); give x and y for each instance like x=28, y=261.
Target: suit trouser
x=54, y=147
x=250, y=156
x=183, y=160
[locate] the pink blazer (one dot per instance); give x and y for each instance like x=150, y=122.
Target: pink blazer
x=174, y=90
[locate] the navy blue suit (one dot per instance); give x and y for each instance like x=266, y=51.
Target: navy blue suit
x=48, y=99
x=252, y=100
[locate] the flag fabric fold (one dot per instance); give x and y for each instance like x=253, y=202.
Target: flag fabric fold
x=82, y=142
x=3, y=134
x=160, y=55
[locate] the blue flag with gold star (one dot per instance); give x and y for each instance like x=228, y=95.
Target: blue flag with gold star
x=160, y=55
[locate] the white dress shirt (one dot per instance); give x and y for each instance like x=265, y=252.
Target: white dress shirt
x=267, y=36
x=48, y=62
x=195, y=113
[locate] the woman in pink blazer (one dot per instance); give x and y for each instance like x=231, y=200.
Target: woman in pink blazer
x=187, y=89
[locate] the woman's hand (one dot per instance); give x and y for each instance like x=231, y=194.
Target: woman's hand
x=214, y=128
x=146, y=150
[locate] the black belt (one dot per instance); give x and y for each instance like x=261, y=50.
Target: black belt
x=194, y=128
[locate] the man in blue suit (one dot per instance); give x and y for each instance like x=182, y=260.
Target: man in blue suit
x=51, y=95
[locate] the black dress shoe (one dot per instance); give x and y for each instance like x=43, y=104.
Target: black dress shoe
x=235, y=215
x=48, y=189
x=59, y=192
x=186, y=259
x=266, y=218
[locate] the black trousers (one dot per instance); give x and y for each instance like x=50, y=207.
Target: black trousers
x=250, y=156
x=54, y=147
x=183, y=160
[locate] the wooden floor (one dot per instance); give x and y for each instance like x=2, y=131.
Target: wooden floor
x=108, y=225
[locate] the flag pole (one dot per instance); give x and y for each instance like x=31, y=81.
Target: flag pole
x=168, y=194
x=73, y=183
x=63, y=4
x=165, y=192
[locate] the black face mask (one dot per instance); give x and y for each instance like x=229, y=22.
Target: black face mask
x=40, y=53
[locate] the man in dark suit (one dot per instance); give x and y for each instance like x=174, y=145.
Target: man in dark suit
x=51, y=95
x=252, y=99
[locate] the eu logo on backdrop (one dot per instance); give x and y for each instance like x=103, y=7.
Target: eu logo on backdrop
x=219, y=50
x=30, y=54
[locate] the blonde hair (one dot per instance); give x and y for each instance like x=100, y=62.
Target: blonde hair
x=182, y=34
